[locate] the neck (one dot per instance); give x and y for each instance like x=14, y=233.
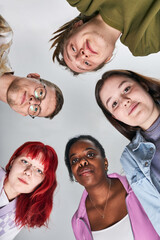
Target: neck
x=98, y=192
x=5, y=81
x=109, y=33
x=11, y=194
x=154, y=116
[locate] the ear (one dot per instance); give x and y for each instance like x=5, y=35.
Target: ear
x=78, y=24
x=33, y=75
x=106, y=164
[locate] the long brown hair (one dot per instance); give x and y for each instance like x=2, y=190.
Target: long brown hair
x=152, y=84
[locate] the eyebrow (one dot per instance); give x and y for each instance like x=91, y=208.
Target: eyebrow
x=120, y=85
x=83, y=151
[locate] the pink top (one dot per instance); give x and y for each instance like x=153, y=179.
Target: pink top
x=141, y=225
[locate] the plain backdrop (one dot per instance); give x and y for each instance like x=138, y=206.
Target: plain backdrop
x=33, y=22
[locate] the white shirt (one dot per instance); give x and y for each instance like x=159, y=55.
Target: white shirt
x=10, y=233
x=119, y=231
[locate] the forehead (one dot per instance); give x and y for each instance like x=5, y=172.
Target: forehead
x=37, y=160
x=115, y=83
x=82, y=145
x=116, y=80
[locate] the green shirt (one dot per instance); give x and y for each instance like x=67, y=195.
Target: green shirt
x=138, y=21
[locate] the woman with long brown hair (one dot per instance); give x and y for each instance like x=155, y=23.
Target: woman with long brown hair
x=130, y=102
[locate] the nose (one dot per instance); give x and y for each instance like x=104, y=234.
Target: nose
x=82, y=54
x=33, y=100
x=83, y=162
x=126, y=102
x=28, y=170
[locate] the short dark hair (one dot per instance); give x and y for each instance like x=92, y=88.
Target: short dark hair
x=74, y=140
x=152, y=84
x=62, y=34
x=59, y=98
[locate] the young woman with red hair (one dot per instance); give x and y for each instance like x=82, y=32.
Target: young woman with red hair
x=26, y=188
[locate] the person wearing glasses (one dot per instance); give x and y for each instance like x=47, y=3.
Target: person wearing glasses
x=31, y=96
x=27, y=96
x=29, y=180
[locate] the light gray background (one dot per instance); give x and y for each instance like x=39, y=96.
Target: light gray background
x=33, y=22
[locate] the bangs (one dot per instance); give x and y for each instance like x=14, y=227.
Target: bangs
x=37, y=152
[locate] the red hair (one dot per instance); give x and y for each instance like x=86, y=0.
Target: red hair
x=33, y=209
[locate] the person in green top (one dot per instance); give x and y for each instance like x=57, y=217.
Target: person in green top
x=87, y=42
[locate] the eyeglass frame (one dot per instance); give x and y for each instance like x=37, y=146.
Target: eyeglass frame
x=38, y=99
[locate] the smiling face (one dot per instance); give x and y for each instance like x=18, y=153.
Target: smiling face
x=21, y=94
x=86, y=49
x=87, y=163
x=129, y=102
x=25, y=175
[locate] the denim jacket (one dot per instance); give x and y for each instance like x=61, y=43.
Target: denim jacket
x=141, y=226
x=136, y=161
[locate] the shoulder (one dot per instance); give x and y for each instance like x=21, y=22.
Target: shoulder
x=122, y=179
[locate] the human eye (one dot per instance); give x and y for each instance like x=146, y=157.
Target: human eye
x=73, y=48
x=24, y=161
x=87, y=63
x=34, y=109
x=114, y=104
x=39, y=171
x=90, y=154
x=39, y=93
x=74, y=161
x=126, y=90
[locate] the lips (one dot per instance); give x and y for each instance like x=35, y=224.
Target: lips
x=23, y=98
x=23, y=181
x=88, y=46
x=133, y=107
x=84, y=171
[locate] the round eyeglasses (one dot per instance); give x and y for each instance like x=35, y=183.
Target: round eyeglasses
x=39, y=93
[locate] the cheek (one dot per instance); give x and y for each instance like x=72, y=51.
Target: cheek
x=36, y=183
x=119, y=115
